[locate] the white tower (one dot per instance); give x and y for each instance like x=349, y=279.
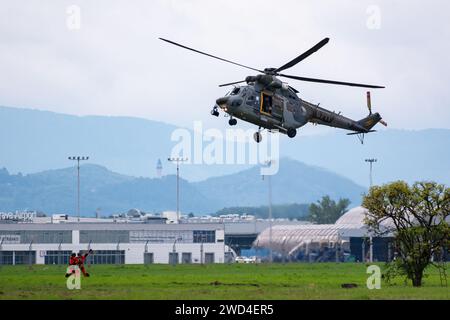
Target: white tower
x=159, y=169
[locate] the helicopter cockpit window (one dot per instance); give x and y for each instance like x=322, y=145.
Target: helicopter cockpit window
x=251, y=100
x=235, y=91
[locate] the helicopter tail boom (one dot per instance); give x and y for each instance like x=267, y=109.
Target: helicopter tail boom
x=370, y=121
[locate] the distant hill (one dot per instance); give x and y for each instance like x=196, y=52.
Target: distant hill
x=402, y=155
x=295, y=182
x=54, y=191
x=33, y=141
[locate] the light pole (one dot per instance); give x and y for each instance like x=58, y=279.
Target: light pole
x=371, y=161
x=178, y=160
x=269, y=181
x=174, y=254
x=78, y=159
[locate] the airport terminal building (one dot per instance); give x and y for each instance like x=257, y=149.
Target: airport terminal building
x=116, y=243
x=146, y=239
x=130, y=239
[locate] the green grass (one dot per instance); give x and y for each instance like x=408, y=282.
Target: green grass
x=236, y=281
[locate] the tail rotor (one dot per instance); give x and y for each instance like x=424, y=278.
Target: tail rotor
x=369, y=106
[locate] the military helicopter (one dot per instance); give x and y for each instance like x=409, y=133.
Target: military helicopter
x=272, y=104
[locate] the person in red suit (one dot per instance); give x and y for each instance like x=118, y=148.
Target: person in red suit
x=73, y=261
x=81, y=259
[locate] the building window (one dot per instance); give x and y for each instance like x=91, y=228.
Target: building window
x=106, y=257
x=6, y=257
x=160, y=236
x=57, y=257
x=25, y=257
x=17, y=257
x=34, y=236
x=104, y=236
x=204, y=236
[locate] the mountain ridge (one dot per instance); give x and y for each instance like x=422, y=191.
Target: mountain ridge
x=54, y=191
x=132, y=146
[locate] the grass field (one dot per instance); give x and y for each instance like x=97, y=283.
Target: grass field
x=236, y=281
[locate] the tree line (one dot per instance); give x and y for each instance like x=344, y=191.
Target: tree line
x=323, y=211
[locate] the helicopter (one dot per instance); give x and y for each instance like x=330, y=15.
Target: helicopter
x=271, y=104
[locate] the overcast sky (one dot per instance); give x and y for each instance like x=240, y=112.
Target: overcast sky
x=114, y=63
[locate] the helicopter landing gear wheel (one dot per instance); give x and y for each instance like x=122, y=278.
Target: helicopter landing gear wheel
x=215, y=112
x=291, y=132
x=257, y=136
x=232, y=122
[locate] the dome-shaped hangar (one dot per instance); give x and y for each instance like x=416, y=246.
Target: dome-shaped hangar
x=354, y=217
x=291, y=240
x=348, y=238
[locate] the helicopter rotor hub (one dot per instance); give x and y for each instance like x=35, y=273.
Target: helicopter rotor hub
x=270, y=71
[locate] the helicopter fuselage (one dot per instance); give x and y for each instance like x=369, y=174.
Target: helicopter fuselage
x=272, y=104
x=271, y=109
x=283, y=110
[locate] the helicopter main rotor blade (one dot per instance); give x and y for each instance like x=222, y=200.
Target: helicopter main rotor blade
x=231, y=83
x=351, y=84
x=210, y=55
x=303, y=56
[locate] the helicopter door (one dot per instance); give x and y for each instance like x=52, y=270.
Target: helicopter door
x=266, y=103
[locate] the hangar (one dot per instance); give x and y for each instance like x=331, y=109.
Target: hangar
x=346, y=240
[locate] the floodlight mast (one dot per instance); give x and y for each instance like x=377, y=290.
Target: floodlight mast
x=78, y=159
x=371, y=161
x=178, y=160
x=269, y=180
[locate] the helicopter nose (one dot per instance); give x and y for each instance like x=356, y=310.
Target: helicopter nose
x=222, y=101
